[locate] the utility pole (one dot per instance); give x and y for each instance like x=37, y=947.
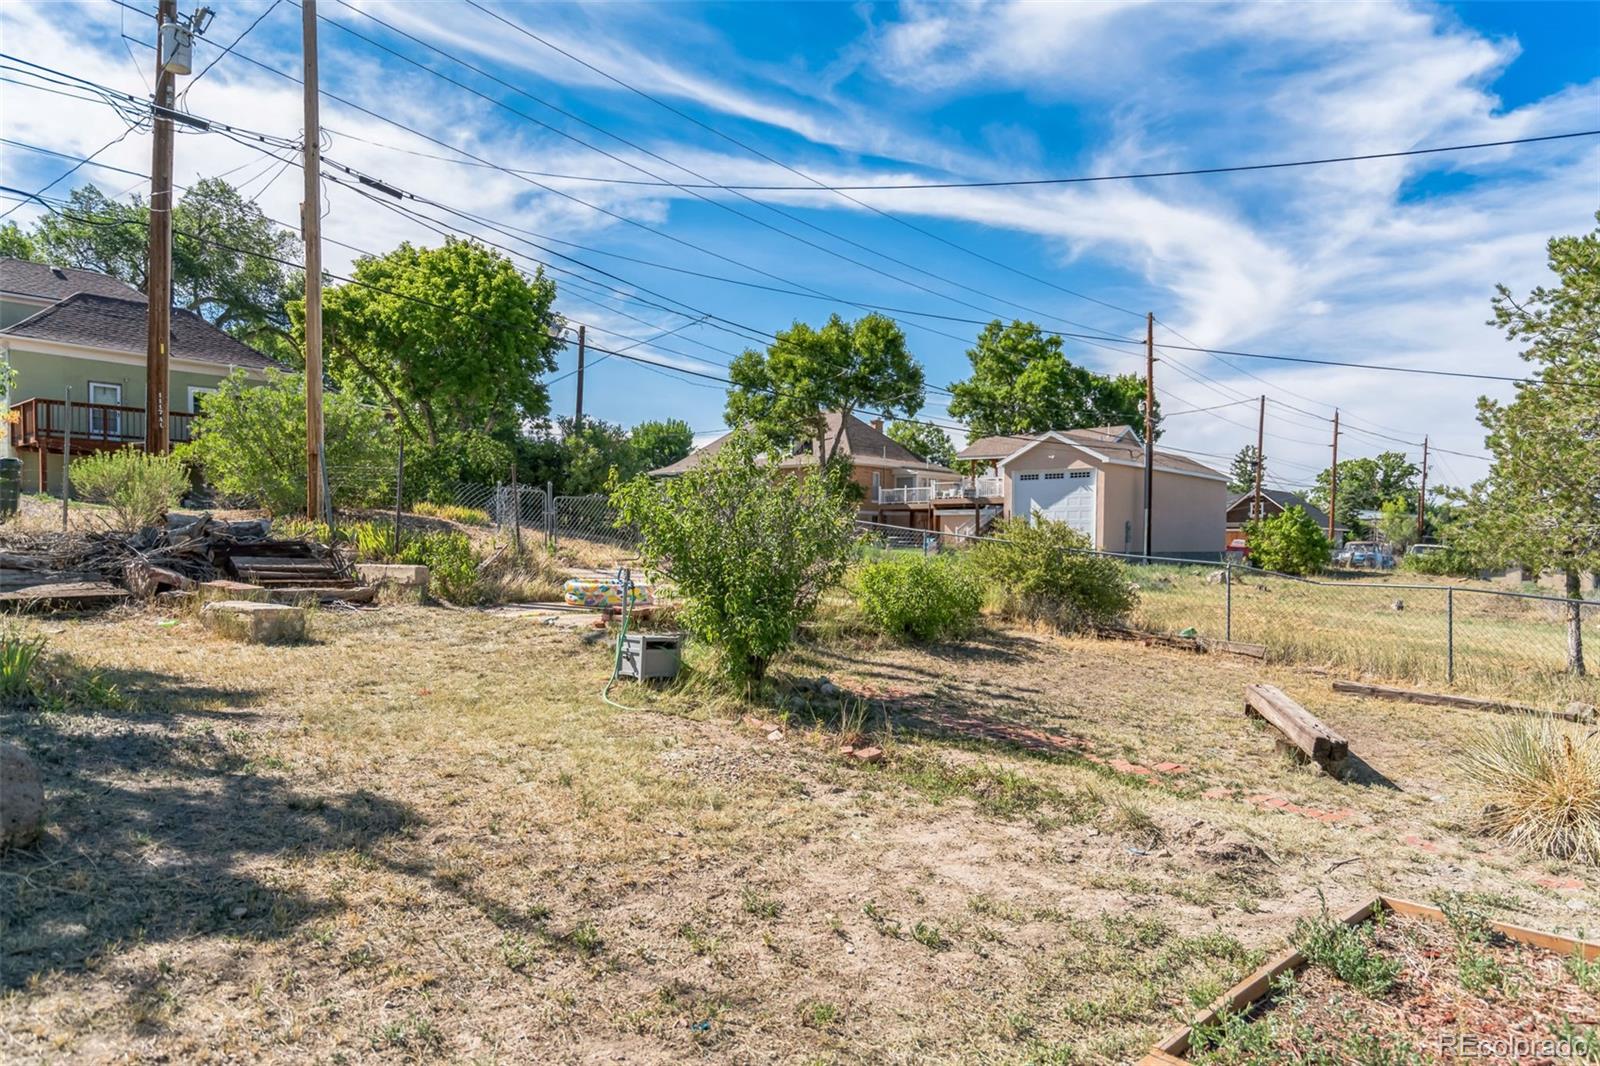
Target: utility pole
x=577, y=420
x=311, y=235
x=1257, y=508
x=1333, y=475
x=1149, y=426
x=158, y=272
x=1422, y=490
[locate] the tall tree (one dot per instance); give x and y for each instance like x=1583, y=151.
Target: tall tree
x=660, y=443
x=1367, y=484
x=786, y=391
x=15, y=244
x=97, y=233
x=1540, y=504
x=455, y=339
x=1242, y=475
x=921, y=438
x=1022, y=382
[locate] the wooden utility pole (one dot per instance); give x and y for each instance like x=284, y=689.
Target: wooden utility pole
x=1422, y=489
x=158, y=273
x=577, y=420
x=1257, y=508
x=1333, y=475
x=311, y=235
x=1149, y=427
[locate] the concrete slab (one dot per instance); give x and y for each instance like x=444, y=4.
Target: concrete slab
x=411, y=578
x=255, y=622
x=211, y=591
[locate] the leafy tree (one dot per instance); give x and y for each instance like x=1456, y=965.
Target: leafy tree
x=250, y=441
x=1022, y=382
x=1288, y=542
x=1397, y=523
x=1540, y=504
x=15, y=244
x=921, y=438
x=464, y=456
x=1364, y=484
x=1242, y=475
x=660, y=443
x=785, y=391
x=751, y=548
x=453, y=338
x=595, y=451
x=229, y=261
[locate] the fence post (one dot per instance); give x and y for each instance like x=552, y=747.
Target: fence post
x=516, y=511
x=66, y=460
x=1227, y=601
x=399, y=485
x=1450, y=635
x=550, y=513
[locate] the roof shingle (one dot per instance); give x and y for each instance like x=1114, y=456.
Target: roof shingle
x=41, y=281
x=120, y=324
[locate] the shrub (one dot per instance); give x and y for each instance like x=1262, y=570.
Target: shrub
x=1289, y=542
x=922, y=597
x=250, y=441
x=451, y=512
x=19, y=654
x=1348, y=951
x=139, y=488
x=1445, y=562
x=1540, y=786
x=1044, y=571
x=451, y=562
x=749, y=547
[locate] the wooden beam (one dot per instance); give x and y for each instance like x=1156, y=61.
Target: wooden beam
x=1300, y=729
x=1450, y=699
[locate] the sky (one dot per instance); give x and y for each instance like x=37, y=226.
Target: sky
x=1389, y=261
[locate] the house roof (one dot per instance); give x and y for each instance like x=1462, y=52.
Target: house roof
x=1284, y=501
x=120, y=324
x=865, y=445
x=41, y=281
x=996, y=448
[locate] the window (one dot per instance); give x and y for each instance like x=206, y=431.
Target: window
x=197, y=394
x=1027, y=477
x=1081, y=473
x=1054, y=475
x=105, y=420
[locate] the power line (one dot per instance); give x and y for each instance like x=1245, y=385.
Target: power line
x=226, y=51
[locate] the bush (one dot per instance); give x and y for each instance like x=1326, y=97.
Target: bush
x=1289, y=543
x=1540, y=786
x=921, y=597
x=250, y=442
x=451, y=562
x=1445, y=562
x=139, y=488
x=19, y=655
x=750, y=548
x=1044, y=571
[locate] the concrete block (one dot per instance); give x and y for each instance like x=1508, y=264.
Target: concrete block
x=402, y=577
x=211, y=591
x=255, y=622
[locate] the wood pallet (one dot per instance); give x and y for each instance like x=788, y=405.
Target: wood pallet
x=285, y=563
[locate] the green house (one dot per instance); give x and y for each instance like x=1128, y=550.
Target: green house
x=63, y=328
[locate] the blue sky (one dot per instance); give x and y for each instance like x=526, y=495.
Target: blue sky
x=1386, y=261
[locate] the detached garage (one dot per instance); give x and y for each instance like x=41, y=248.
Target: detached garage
x=1093, y=480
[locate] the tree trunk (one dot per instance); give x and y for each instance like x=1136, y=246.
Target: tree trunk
x=1574, y=622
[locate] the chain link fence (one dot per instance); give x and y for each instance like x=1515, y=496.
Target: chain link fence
x=1495, y=640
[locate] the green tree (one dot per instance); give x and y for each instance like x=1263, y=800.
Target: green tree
x=596, y=451
x=785, y=391
x=660, y=443
x=454, y=339
x=95, y=232
x=1242, y=475
x=749, y=547
x=921, y=438
x=1288, y=542
x=1364, y=484
x=15, y=244
x=1397, y=522
x=1540, y=504
x=1022, y=382
x=250, y=441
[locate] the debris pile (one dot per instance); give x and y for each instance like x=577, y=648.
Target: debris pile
x=181, y=554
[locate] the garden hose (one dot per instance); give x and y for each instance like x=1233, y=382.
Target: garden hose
x=626, y=577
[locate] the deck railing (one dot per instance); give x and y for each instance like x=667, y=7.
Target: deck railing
x=43, y=423
x=979, y=488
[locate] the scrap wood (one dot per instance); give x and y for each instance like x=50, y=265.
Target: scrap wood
x=1300, y=729
x=1150, y=639
x=1576, y=712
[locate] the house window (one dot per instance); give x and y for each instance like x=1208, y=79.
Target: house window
x=1054, y=475
x=1081, y=473
x=1027, y=477
x=105, y=421
x=197, y=393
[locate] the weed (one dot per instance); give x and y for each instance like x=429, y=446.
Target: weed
x=1585, y=971
x=1478, y=971
x=1539, y=784
x=885, y=925
x=699, y=941
x=587, y=939
x=760, y=906
x=19, y=655
x=1348, y=951
x=518, y=953
x=818, y=1014
x=928, y=935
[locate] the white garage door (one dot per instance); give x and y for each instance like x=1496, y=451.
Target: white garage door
x=1059, y=495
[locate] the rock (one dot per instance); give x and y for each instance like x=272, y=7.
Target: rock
x=230, y=590
x=1217, y=577
x=1399, y=605
x=240, y=911
x=256, y=623
x=776, y=734
x=867, y=755
x=1585, y=712
x=21, y=799
x=393, y=575
x=827, y=688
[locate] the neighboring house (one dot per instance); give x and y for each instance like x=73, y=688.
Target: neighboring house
x=1093, y=480
x=62, y=327
x=898, y=487
x=1243, y=507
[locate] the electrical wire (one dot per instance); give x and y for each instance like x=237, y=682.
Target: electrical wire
x=219, y=57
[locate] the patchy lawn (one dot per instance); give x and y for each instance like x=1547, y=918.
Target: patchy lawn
x=422, y=837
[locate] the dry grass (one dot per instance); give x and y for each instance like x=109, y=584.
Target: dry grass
x=1540, y=783
x=421, y=837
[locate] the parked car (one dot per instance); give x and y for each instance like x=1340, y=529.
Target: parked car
x=1426, y=549
x=1365, y=555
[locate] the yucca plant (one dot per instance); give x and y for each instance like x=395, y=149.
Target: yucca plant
x=1540, y=786
x=19, y=654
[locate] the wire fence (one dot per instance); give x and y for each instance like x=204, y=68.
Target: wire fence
x=1468, y=635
